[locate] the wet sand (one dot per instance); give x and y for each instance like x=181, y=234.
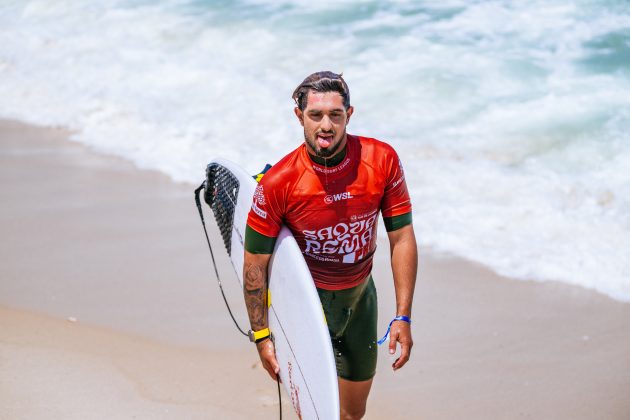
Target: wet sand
x=109, y=309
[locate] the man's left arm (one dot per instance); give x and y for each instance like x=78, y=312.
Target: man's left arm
x=404, y=254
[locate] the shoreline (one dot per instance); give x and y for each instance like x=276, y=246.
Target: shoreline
x=92, y=238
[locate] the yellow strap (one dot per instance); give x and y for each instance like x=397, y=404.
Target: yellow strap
x=261, y=334
x=265, y=331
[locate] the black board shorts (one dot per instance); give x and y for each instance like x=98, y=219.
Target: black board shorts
x=351, y=315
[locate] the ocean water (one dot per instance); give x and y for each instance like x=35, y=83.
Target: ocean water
x=511, y=118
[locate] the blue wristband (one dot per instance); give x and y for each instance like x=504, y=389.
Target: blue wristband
x=398, y=318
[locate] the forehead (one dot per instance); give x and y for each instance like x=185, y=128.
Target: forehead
x=324, y=100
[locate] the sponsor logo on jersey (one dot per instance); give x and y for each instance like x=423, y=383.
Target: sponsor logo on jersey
x=398, y=181
x=331, y=198
x=259, y=200
x=350, y=241
x=332, y=170
x=402, y=175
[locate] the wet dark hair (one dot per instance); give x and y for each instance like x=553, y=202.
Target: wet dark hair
x=322, y=81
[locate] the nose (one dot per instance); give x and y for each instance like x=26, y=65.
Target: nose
x=326, y=123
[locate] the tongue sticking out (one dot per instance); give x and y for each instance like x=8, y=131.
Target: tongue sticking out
x=323, y=142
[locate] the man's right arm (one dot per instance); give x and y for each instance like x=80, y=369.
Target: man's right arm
x=255, y=283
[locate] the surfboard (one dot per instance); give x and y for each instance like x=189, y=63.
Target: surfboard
x=296, y=319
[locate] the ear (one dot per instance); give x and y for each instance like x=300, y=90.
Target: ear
x=299, y=114
x=349, y=112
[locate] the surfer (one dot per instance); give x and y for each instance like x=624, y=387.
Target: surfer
x=329, y=192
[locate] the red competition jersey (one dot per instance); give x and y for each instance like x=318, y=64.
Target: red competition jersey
x=332, y=212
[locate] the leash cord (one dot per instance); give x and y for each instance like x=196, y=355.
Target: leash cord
x=214, y=264
x=279, y=397
x=216, y=272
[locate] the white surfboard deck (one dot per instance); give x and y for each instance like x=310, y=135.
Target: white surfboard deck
x=296, y=319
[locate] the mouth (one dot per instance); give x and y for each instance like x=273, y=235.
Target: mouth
x=324, y=139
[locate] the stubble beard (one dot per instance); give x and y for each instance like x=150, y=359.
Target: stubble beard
x=323, y=153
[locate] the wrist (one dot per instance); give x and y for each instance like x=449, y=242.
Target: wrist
x=403, y=311
x=258, y=336
x=262, y=341
x=404, y=318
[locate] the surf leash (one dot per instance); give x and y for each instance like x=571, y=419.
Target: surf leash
x=398, y=318
x=216, y=272
x=214, y=264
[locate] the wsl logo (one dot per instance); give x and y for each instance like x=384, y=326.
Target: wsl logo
x=331, y=198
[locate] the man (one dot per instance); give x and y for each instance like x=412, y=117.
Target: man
x=329, y=192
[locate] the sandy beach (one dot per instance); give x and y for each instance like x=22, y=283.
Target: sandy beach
x=109, y=310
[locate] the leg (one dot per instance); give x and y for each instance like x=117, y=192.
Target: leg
x=353, y=397
x=360, y=343
x=351, y=317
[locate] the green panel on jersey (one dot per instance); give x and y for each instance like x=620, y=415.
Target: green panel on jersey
x=257, y=243
x=396, y=222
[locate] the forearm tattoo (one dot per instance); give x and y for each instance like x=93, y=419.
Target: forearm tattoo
x=255, y=286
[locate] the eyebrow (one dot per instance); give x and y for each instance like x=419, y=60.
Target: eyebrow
x=312, y=111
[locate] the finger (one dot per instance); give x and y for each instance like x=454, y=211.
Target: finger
x=404, y=356
x=406, y=343
x=272, y=367
x=393, y=341
x=270, y=371
x=275, y=365
x=267, y=355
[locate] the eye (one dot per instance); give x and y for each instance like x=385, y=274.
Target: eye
x=315, y=116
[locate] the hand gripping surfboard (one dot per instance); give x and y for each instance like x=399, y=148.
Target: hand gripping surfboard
x=296, y=319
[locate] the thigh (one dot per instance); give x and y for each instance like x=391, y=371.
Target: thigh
x=359, y=339
x=351, y=316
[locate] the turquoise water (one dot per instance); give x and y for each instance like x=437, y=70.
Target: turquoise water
x=511, y=118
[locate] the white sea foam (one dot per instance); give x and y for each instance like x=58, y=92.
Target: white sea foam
x=511, y=118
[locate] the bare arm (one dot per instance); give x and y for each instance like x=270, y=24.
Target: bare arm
x=255, y=283
x=255, y=288
x=404, y=253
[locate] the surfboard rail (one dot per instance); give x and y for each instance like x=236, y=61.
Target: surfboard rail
x=303, y=346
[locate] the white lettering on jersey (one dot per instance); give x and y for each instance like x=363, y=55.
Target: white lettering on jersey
x=331, y=198
x=350, y=240
x=334, y=169
x=259, y=200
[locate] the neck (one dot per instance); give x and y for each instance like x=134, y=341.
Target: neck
x=334, y=160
